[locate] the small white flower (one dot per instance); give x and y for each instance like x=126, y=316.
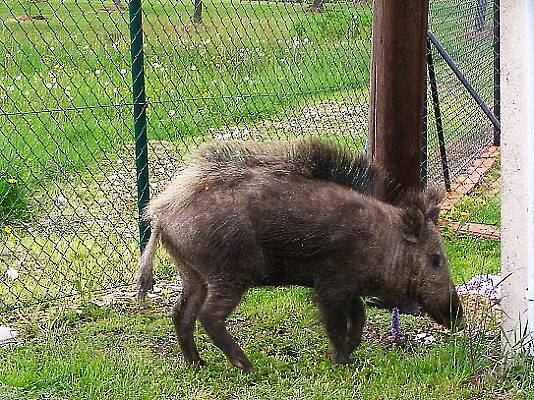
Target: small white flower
x=12, y=273
x=11, y=88
x=193, y=68
x=115, y=90
x=52, y=48
x=123, y=71
x=172, y=112
x=213, y=82
x=97, y=72
x=17, y=78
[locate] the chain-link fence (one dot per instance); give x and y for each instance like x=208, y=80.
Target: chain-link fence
x=463, y=112
x=212, y=70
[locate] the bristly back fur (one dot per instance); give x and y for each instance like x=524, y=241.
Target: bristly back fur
x=315, y=158
x=227, y=161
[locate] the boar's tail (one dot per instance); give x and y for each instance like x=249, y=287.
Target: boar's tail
x=146, y=271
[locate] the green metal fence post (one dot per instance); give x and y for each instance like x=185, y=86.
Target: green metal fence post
x=139, y=110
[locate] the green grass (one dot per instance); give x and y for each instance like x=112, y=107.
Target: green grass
x=120, y=354
x=53, y=267
x=246, y=63
x=470, y=256
x=480, y=208
x=483, y=205
x=90, y=352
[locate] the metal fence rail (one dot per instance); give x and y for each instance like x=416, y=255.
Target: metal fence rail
x=96, y=99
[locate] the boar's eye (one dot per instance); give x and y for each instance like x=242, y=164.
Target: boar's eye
x=435, y=260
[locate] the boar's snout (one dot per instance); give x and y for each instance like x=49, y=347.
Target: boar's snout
x=450, y=314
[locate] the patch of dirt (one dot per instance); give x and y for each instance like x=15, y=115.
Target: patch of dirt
x=105, y=202
x=112, y=9
x=30, y=18
x=425, y=333
x=460, y=154
x=164, y=294
x=485, y=33
x=330, y=117
x=166, y=346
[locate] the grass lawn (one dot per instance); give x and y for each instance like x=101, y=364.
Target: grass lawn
x=483, y=205
x=123, y=354
x=246, y=63
x=65, y=95
x=87, y=352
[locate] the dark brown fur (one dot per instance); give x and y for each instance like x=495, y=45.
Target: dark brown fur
x=245, y=215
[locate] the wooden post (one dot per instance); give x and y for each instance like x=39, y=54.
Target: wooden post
x=397, y=87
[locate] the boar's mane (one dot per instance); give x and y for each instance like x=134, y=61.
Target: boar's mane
x=229, y=161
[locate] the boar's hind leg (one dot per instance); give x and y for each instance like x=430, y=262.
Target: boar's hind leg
x=222, y=298
x=185, y=314
x=356, y=321
x=334, y=307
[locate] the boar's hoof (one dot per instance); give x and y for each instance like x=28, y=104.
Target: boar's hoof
x=197, y=363
x=243, y=364
x=342, y=359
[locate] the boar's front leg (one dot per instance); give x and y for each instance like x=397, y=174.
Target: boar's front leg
x=223, y=297
x=356, y=321
x=334, y=303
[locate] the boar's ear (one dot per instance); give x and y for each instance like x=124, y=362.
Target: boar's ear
x=413, y=224
x=432, y=198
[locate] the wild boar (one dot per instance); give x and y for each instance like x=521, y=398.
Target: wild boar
x=241, y=216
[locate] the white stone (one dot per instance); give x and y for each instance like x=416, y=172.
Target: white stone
x=12, y=273
x=7, y=334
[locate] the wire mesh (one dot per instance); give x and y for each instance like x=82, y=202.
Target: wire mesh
x=469, y=32
x=250, y=70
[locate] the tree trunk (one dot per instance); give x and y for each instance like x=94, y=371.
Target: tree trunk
x=118, y=4
x=197, y=15
x=317, y=6
x=397, y=88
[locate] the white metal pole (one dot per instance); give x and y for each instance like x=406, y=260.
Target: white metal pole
x=516, y=126
x=529, y=167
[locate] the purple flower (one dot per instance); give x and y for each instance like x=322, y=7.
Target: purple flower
x=395, y=324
